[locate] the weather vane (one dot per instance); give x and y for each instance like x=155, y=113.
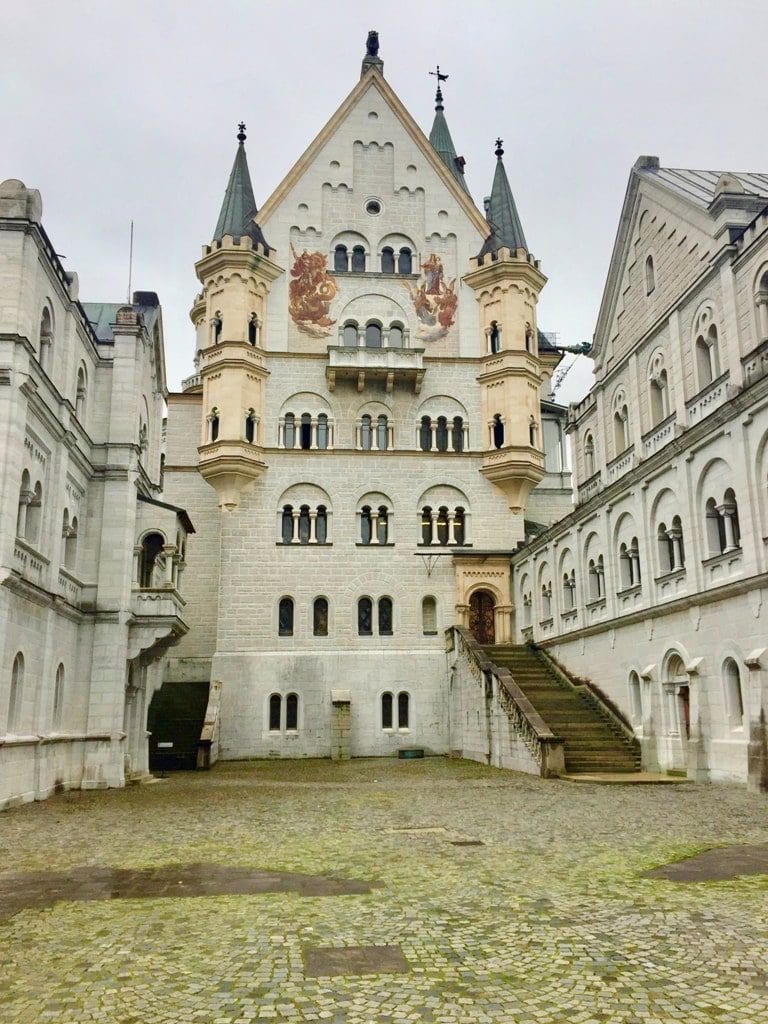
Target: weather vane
x=241, y=133
x=439, y=75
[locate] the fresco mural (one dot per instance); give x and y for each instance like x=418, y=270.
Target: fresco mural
x=311, y=292
x=434, y=300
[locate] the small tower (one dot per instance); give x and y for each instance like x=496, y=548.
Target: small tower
x=440, y=136
x=236, y=273
x=507, y=281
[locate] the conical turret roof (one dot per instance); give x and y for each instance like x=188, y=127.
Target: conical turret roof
x=442, y=143
x=238, y=210
x=501, y=212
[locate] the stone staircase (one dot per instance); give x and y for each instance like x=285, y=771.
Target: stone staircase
x=594, y=740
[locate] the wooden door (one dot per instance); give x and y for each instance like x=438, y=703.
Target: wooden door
x=481, y=617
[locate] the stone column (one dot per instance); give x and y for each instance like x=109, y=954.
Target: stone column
x=358, y=438
x=313, y=434
x=465, y=431
x=433, y=430
x=451, y=527
x=676, y=537
x=433, y=535
x=169, y=550
x=281, y=432
x=296, y=514
x=390, y=437
x=374, y=526
x=136, y=564
x=313, y=526
x=728, y=512
x=634, y=567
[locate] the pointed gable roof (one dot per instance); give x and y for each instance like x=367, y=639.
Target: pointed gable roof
x=502, y=215
x=373, y=79
x=238, y=209
x=442, y=143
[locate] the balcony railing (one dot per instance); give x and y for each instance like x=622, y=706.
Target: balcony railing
x=621, y=464
x=401, y=366
x=661, y=435
x=755, y=365
x=29, y=562
x=708, y=399
x=590, y=487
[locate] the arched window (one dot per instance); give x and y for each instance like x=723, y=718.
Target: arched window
x=387, y=260
x=546, y=600
x=320, y=617
x=34, y=514
x=340, y=259
x=635, y=698
x=382, y=433
x=497, y=429
x=216, y=327
x=429, y=616
x=366, y=433
x=373, y=335
x=385, y=616
x=25, y=496
x=715, y=528
x=322, y=431
x=459, y=526
x=350, y=334
x=457, y=434
x=405, y=261
x=625, y=567
x=69, y=535
x=395, y=336
x=151, y=549
x=81, y=393
x=321, y=525
x=527, y=610
x=213, y=421
x=659, y=398
x=292, y=712
x=589, y=456
x=442, y=525
x=425, y=434
x=382, y=525
x=285, y=617
x=250, y=426
x=666, y=549
x=305, y=431
x=426, y=525
x=734, y=700
x=707, y=356
x=403, y=710
x=387, y=719
x=761, y=307
x=596, y=579
x=46, y=340
x=358, y=259
x=286, y=529
x=620, y=429
x=289, y=431
x=569, y=591
x=305, y=521
x=675, y=535
x=253, y=329
x=494, y=337
x=58, y=697
x=365, y=617
x=275, y=712
x=17, y=693
x=441, y=434
x=533, y=430
x=366, y=532
x=650, y=275
x=730, y=511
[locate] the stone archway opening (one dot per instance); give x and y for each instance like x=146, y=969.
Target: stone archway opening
x=482, y=615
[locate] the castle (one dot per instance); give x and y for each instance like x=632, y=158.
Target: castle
x=361, y=496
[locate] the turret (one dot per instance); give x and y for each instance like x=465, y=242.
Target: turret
x=236, y=273
x=440, y=136
x=507, y=281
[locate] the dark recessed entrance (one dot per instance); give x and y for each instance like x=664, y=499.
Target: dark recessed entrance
x=481, y=617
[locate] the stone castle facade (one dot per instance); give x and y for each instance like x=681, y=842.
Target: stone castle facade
x=372, y=461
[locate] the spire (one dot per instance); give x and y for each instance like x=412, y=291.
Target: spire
x=501, y=212
x=239, y=207
x=440, y=137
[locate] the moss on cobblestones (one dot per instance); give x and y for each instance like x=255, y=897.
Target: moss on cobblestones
x=549, y=921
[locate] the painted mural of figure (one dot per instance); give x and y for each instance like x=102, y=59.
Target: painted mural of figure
x=433, y=273
x=434, y=301
x=311, y=292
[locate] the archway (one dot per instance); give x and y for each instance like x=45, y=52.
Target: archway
x=482, y=606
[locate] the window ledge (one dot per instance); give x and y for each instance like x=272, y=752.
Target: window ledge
x=361, y=544
x=282, y=544
x=440, y=547
x=572, y=613
x=672, y=574
x=546, y=622
x=598, y=602
x=636, y=588
x=723, y=556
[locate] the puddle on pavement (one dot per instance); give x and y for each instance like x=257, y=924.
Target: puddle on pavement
x=40, y=889
x=719, y=865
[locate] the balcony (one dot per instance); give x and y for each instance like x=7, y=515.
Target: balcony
x=29, y=563
x=621, y=464
x=590, y=487
x=156, y=619
x=390, y=366
x=755, y=365
x=660, y=436
x=708, y=399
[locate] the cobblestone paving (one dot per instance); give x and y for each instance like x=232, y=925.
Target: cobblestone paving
x=550, y=921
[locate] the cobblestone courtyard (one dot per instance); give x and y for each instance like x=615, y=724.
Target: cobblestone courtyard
x=550, y=920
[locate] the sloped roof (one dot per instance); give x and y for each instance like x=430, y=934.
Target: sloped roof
x=101, y=315
x=699, y=186
x=238, y=209
x=442, y=143
x=502, y=215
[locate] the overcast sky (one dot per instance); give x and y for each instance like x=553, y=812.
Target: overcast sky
x=120, y=111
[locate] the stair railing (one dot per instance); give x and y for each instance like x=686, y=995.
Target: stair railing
x=607, y=712
x=546, y=749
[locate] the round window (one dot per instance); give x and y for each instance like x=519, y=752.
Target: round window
x=373, y=206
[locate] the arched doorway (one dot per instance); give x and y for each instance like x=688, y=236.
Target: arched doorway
x=482, y=606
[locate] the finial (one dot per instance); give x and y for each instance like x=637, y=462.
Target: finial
x=499, y=151
x=372, y=44
x=241, y=133
x=439, y=94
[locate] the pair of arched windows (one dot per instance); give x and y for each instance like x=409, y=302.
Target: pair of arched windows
x=620, y=427
x=286, y=616
x=384, y=616
x=305, y=431
x=569, y=591
x=722, y=523
x=344, y=260
x=658, y=384
x=707, y=356
x=304, y=525
x=283, y=713
x=671, y=547
x=396, y=263
x=546, y=600
x=374, y=433
x=596, y=576
x=442, y=434
x=402, y=704
x=629, y=564
x=374, y=524
x=30, y=510
x=443, y=525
